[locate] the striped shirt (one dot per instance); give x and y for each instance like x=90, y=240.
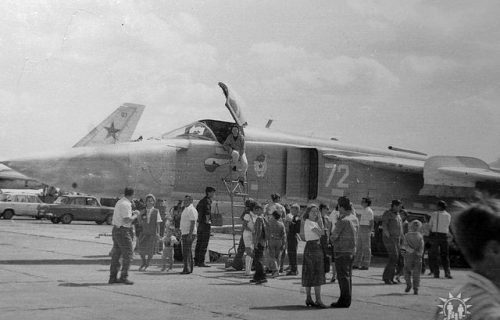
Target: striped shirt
x=484, y=298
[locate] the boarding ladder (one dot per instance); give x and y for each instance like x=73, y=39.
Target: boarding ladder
x=235, y=189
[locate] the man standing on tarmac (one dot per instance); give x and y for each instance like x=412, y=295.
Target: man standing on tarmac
x=122, y=238
x=188, y=233
x=438, y=238
x=364, y=251
x=204, y=209
x=259, y=243
x=293, y=229
x=344, y=237
x=392, y=233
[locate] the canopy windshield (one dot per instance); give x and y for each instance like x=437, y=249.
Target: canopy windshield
x=195, y=130
x=212, y=130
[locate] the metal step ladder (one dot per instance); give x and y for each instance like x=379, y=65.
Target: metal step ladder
x=236, y=189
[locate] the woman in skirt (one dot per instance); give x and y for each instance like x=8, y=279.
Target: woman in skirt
x=149, y=219
x=313, y=270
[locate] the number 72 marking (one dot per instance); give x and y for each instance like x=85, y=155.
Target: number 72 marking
x=337, y=168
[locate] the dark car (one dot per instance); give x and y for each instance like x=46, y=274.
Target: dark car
x=79, y=208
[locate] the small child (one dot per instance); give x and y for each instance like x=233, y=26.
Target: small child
x=169, y=239
x=412, y=250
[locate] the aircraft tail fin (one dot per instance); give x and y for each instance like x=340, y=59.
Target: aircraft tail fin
x=116, y=128
x=234, y=103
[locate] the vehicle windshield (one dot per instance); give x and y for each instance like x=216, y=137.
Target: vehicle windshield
x=195, y=130
x=62, y=200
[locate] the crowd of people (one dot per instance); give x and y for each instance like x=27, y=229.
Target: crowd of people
x=336, y=241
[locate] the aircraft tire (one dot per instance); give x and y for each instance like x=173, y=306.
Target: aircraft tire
x=8, y=214
x=66, y=218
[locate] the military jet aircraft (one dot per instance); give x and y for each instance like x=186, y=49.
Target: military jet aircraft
x=118, y=127
x=301, y=169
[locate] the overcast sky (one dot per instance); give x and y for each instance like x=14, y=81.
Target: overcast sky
x=422, y=75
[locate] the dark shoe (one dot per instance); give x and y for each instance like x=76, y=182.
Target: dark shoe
x=448, y=276
x=126, y=281
x=185, y=272
x=338, y=305
x=261, y=281
x=292, y=273
x=388, y=282
x=363, y=268
x=234, y=168
x=204, y=265
x=408, y=288
x=281, y=270
x=113, y=280
x=310, y=303
x=320, y=305
x=141, y=268
x=355, y=267
x=415, y=291
x=253, y=281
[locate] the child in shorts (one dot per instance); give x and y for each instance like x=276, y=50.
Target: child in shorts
x=169, y=239
x=412, y=250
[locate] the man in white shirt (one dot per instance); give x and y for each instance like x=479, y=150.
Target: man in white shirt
x=188, y=233
x=122, y=238
x=438, y=238
x=364, y=251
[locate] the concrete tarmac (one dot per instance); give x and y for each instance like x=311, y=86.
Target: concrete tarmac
x=50, y=271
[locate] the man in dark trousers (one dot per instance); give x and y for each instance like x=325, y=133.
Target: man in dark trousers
x=293, y=220
x=344, y=238
x=204, y=209
x=439, y=226
x=259, y=243
x=392, y=231
x=123, y=216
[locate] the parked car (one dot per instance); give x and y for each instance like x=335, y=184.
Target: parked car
x=20, y=204
x=79, y=208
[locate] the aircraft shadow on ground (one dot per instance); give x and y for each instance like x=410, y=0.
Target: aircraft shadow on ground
x=75, y=285
x=293, y=307
x=55, y=262
x=159, y=273
x=392, y=294
x=367, y=284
